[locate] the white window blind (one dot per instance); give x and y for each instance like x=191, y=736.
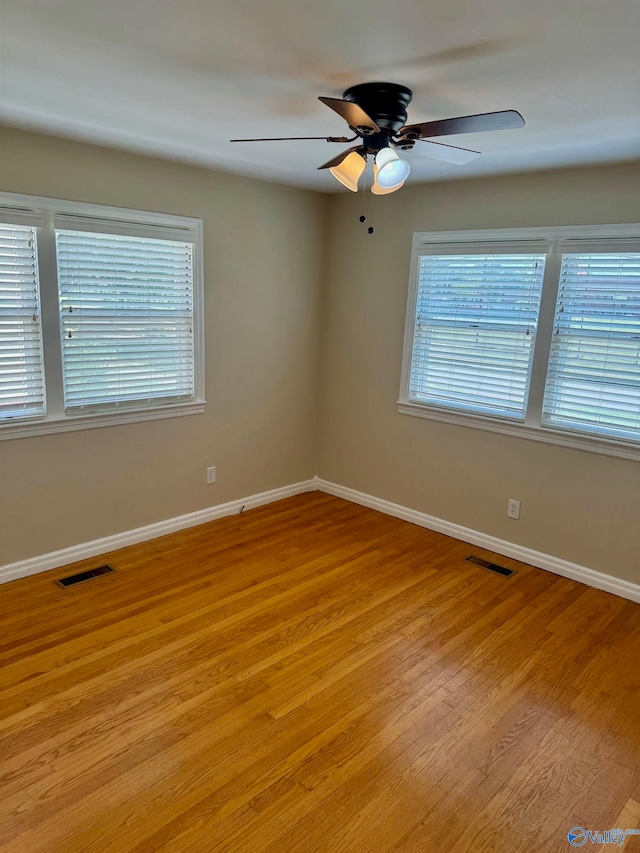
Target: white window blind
x=593, y=381
x=127, y=324
x=21, y=363
x=475, y=325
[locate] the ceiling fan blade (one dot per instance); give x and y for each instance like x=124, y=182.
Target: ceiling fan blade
x=447, y=153
x=504, y=120
x=288, y=138
x=354, y=115
x=337, y=160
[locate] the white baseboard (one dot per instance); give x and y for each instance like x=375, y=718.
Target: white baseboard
x=617, y=586
x=53, y=560
x=23, y=568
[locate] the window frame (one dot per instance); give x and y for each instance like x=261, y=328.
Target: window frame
x=113, y=220
x=435, y=242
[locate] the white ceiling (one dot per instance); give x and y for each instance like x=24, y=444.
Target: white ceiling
x=179, y=78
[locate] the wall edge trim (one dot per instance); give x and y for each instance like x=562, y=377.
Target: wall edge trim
x=85, y=550
x=556, y=565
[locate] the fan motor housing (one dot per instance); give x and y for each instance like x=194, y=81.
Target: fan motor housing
x=385, y=103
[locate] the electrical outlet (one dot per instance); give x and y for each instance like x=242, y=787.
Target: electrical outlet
x=513, y=508
x=211, y=475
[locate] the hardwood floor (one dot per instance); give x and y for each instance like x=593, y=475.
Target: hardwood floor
x=314, y=676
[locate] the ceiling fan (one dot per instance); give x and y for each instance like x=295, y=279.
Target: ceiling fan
x=377, y=114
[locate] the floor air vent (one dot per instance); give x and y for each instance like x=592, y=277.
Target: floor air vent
x=84, y=576
x=499, y=570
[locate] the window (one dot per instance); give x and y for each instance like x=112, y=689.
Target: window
x=593, y=382
x=476, y=318
x=103, y=309
x=532, y=332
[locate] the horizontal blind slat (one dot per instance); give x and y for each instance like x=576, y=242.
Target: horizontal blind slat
x=105, y=227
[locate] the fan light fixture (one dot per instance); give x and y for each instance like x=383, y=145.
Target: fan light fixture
x=348, y=172
x=389, y=171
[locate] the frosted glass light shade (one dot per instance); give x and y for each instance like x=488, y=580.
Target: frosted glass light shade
x=392, y=171
x=349, y=171
x=376, y=189
x=393, y=175
x=384, y=156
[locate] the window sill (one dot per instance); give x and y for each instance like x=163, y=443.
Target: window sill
x=44, y=427
x=544, y=434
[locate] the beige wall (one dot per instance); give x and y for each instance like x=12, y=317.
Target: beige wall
x=263, y=253
x=296, y=312
x=576, y=505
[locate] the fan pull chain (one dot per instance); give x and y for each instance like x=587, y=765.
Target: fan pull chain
x=363, y=217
